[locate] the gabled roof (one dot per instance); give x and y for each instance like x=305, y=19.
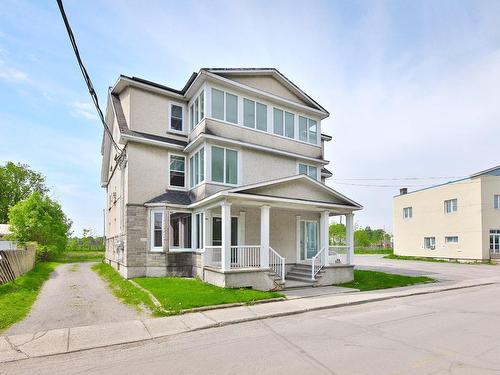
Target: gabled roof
x=494, y=171
x=266, y=189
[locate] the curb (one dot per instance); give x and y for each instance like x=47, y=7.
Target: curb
x=261, y=317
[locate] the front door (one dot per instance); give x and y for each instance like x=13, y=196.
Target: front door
x=495, y=241
x=308, y=239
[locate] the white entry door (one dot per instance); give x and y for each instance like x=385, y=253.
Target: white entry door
x=495, y=241
x=309, y=236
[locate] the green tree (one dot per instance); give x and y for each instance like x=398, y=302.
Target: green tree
x=39, y=218
x=361, y=238
x=17, y=182
x=337, y=234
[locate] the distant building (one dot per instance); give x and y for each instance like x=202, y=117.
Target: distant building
x=4, y=243
x=456, y=220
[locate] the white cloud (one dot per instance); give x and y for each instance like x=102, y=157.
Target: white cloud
x=12, y=75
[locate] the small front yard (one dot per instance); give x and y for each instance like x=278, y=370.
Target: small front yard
x=175, y=293
x=17, y=297
x=372, y=280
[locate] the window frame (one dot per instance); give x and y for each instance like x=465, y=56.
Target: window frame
x=406, y=210
x=152, y=230
x=453, y=208
x=196, y=109
x=432, y=243
x=308, y=167
x=175, y=187
x=198, y=236
x=448, y=242
x=224, y=174
x=496, y=201
x=183, y=114
x=201, y=170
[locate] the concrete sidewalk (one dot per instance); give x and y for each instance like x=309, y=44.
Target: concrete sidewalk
x=59, y=341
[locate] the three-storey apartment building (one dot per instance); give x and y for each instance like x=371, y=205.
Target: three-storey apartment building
x=224, y=179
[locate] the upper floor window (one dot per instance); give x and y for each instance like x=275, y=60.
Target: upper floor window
x=283, y=123
x=496, y=201
x=430, y=243
x=197, y=109
x=309, y=170
x=450, y=205
x=254, y=115
x=224, y=106
x=407, y=212
x=176, y=115
x=156, y=230
x=197, y=167
x=177, y=171
x=308, y=130
x=224, y=165
x=451, y=239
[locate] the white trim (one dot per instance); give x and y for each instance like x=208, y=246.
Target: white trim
x=254, y=146
x=151, y=230
x=190, y=156
x=173, y=187
x=149, y=141
x=318, y=170
x=238, y=166
x=147, y=87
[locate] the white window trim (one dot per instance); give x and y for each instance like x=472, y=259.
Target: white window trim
x=451, y=242
x=453, y=211
x=203, y=89
x=410, y=211
x=496, y=201
x=151, y=230
x=191, y=155
x=238, y=166
x=181, y=234
x=184, y=118
x=432, y=246
x=318, y=170
x=173, y=187
x=270, y=119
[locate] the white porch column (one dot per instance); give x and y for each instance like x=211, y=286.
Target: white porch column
x=349, y=222
x=226, y=236
x=264, y=236
x=207, y=229
x=324, y=235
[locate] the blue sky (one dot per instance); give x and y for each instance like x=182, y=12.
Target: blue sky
x=413, y=87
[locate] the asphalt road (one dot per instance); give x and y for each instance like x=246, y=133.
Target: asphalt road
x=73, y=296
x=455, y=332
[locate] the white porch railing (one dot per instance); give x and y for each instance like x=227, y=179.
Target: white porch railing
x=245, y=256
x=277, y=263
x=213, y=256
x=338, y=254
x=317, y=263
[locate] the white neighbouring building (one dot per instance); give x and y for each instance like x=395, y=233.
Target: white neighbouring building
x=224, y=180
x=456, y=220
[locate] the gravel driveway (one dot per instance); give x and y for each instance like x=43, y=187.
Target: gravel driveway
x=73, y=296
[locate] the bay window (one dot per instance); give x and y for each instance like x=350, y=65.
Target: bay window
x=254, y=115
x=156, y=230
x=197, y=109
x=308, y=130
x=197, y=167
x=224, y=165
x=278, y=121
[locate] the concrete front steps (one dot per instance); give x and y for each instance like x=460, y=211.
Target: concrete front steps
x=302, y=273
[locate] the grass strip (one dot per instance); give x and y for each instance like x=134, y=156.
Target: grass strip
x=17, y=297
x=80, y=256
x=437, y=260
x=373, y=280
x=126, y=291
x=176, y=294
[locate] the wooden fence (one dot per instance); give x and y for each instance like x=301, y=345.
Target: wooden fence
x=14, y=263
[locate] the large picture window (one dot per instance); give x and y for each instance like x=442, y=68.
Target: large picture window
x=177, y=171
x=157, y=230
x=197, y=167
x=224, y=165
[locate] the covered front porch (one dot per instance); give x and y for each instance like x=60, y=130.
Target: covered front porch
x=251, y=239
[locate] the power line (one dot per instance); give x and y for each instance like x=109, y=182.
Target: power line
x=400, y=178
x=86, y=77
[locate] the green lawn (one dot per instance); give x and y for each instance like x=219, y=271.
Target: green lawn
x=176, y=293
x=372, y=251
x=426, y=259
x=372, y=280
x=17, y=297
x=124, y=290
x=80, y=256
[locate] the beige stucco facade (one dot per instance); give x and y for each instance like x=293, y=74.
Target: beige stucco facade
x=471, y=222
x=138, y=180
